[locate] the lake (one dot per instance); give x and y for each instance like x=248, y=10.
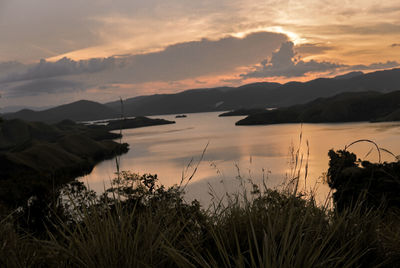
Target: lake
x=253, y=152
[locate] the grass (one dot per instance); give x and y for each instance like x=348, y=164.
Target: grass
x=139, y=223
x=158, y=229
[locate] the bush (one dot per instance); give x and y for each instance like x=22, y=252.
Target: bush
x=377, y=185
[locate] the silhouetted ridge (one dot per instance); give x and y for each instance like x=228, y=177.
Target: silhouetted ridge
x=344, y=107
x=198, y=100
x=259, y=95
x=348, y=75
x=82, y=110
x=36, y=155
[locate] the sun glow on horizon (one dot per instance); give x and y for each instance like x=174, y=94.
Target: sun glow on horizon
x=295, y=38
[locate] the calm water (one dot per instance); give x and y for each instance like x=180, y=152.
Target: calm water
x=173, y=151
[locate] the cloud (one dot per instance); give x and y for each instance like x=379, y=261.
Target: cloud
x=284, y=63
x=11, y=67
x=43, y=29
x=374, y=66
x=46, y=28
x=380, y=28
x=62, y=67
x=371, y=29
x=161, y=70
x=312, y=49
x=199, y=82
x=175, y=62
x=395, y=45
x=192, y=59
x=233, y=81
x=42, y=86
x=379, y=9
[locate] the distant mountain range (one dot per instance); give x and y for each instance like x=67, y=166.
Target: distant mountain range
x=256, y=95
x=82, y=110
x=344, y=107
x=16, y=108
x=348, y=75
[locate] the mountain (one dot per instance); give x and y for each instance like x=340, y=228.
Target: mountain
x=16, y=108
x=344, y=107
x=348, y=75
x=259, y=95
x=82, y=110
x=298, y=93
x=198, y=100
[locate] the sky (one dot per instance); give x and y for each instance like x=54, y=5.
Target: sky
x=55, y=52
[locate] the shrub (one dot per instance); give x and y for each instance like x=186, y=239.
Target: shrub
x=377, y=185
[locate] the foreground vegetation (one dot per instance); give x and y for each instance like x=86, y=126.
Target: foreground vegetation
x=139, y=223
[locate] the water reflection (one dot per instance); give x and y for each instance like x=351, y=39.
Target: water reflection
x=167, y=151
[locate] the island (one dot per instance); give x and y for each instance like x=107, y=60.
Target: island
x=140, y=121
x=181, y=116
x=344, y=107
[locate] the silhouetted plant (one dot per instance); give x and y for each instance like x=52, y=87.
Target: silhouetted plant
x=376, y=184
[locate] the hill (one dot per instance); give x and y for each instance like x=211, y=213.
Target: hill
x=344, y=107
x=198, y=100
x=348, y=75
x=35, y=156
x=82, y=110
x=256, y=95
x=259, y=95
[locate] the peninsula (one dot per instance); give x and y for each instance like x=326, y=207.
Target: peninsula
x=344, y=107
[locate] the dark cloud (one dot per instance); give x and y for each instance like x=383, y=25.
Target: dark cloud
x=11, y=67
x=374, y=66
x=205, y=57
x=232, y=81
x=62, y=67
x=395, y=45
x=42, y=86
x=175, y=62
x=284, y=63
x=109, y=86
x=200, y=82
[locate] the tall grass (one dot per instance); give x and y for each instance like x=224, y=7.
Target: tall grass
x=139, y=223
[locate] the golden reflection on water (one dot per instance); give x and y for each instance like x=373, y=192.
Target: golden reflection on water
x=173, y=151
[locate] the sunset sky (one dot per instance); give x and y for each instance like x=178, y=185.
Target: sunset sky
x=55, y=52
